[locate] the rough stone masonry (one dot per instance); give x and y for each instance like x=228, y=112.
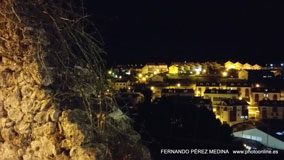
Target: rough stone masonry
x=52, y=102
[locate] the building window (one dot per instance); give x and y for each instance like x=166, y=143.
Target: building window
x=256, y=98
x=247, y=92
x=275, y=97
x=265, y=95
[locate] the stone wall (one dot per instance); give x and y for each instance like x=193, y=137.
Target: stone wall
x=52, y=104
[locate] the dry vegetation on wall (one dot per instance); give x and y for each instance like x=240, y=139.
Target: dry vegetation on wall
x=53, y=101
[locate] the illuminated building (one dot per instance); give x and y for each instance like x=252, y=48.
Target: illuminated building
x=271, y=109
x=272, y=139
x=173, y=69
x=256, y=67
x=259, y=94
x=158, y=78
x=243, y=74
x=244, y=89
x=247, y=66
x=202, y=86
x=218, y=95
x=121, y=84
x=151, y=68
x=177, y=92
x=232, y=111
x=229, y=65
x=239, y=66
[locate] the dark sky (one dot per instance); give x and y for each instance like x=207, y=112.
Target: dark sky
x=140, y=31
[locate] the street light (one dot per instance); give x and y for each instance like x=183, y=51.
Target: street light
x=225, y=74
x=178, y=85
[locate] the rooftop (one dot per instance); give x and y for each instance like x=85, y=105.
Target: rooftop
x=271, y=103
x=208, y=84
x=221, y=91
x=177, y=91
x=238, y=84
x=232, y=102
x=273, y=90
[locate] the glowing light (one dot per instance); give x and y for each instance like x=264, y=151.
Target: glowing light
x=155, y=72
x=152, y=88
x=225, y=74
x=120, y=77
x=252, y=112
x=109, y=72
x=204, y=71
x=115, y=76
x=214, y=110
x=198, y=69
x=140, y=75
x=143, y=79
x=217, y=117
x=178, y=84
x=280, y=133
x=173, y=69
x=257, y=85
x=129, y=88
x=240, y=98
x=198, y=92
x=197, y=72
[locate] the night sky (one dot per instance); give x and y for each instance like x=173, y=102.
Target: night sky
x=140, y=31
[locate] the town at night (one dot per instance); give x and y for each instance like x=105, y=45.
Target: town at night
x=244, y=100
x=141, y=80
